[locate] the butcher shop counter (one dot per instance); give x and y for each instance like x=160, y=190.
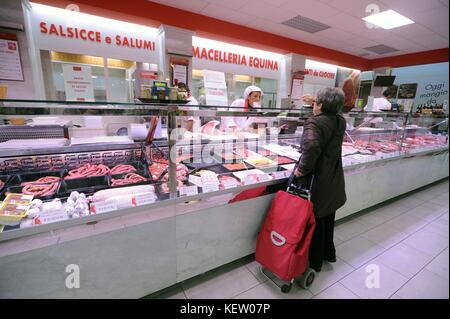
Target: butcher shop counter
x=163, y=241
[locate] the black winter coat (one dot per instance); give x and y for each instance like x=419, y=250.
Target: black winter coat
x=321, y=156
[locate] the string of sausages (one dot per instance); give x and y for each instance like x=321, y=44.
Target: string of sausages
x=130, y=178
x=44, y=186
x=88, y=170
x=122, y=169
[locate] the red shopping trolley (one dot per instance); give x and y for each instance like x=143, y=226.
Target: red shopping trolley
x=283, y=242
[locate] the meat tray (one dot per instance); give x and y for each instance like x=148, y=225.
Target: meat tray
x=88, y=185
x=141, y=169
x=18, y=190
x=32, y=177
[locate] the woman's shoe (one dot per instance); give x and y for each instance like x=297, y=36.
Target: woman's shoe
x=331, y=259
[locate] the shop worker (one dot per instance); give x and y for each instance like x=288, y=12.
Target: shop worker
x=381, y=103
x=251, y=100
x=321, y=157
x=189, y=123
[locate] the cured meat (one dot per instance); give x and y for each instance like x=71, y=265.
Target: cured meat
x=156, y=169
x=40, y=190
x=43, y=180
x=165, y=186
x=235, y=167
x=224, y=179
x=284, y=160
x=88, y=170
x=130, y=178
x=122, y=169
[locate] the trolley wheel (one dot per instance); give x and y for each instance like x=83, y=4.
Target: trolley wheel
x=286, y=288
x=307, y=278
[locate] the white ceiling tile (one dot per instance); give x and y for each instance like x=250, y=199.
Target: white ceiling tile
x=431, y=43
x=230, y=4
x=275, y=3
x=362, y=42
x=432, y=17
x=336, y=34
x=412, y=31
x=359, y=8
x=191, y=5
x=445, y=2
x=266, y=11
x=442, y=30
x=268, y=26
x=225, y=14
x=411, y=7
x=398, y=42
x=358, y=26
x=311, y=9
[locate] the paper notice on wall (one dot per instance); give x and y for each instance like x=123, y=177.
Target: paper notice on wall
x=179, y=74
x=78, y=82
x=10, y=66
x=214, y=79
x=216, y=97
x=297, y=89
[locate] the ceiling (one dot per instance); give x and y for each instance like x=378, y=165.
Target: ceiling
x=347, y=33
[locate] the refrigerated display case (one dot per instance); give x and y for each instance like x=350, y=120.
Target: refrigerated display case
x=184, y=202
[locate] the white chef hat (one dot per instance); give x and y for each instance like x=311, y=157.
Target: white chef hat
x=250, y=89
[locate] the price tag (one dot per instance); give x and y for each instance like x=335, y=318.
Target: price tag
x=230, y=183
x=53, y=216
x=188, y=190
x=103, y=207
x=279, y=174
x=143, y=199
x=248, y=180
x=264, y=178
x=210, y=187
x=197, y=180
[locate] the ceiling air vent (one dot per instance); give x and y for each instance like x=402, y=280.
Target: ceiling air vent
x=305, y=24
x=381, y=49
x=364, y=54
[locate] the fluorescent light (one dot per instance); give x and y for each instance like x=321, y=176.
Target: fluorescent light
x=389, y=19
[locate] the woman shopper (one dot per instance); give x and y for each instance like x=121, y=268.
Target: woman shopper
x=321, y=157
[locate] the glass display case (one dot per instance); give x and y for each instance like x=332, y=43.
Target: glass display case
x=68, y=163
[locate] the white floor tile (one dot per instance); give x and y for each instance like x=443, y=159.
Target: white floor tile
x=427, y=242
x=438, y=228
x=427, y=194
x=385, y=235
x=410, y=201
x=373, y=219
x=428, y=211
x=358, y=251
x=330, y=274
x=441, y=200
x=405, y=260
x=254, y=268
x=349, y=230
x=407, y=223
x=439, y=265
x=222, y=286
x=425, y=285
x=337, y=291
x=374, y=281
x=392, y=210
x=269, y=290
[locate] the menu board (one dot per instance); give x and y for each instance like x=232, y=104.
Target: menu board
x=10, y=65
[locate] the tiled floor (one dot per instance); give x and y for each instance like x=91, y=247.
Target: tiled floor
x=398, y=251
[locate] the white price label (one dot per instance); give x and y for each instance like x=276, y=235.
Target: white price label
x=54, y=216
x=249, y=180
x=103, y=207
x=197, y=180
x=210, y=187
x=264, y=178
x=230, y=183
x=188, y=190
x=143, y=199
x=280, y=174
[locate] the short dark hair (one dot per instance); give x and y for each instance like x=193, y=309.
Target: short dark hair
x=332, y=100
x=182, y=85
x=387, y=93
